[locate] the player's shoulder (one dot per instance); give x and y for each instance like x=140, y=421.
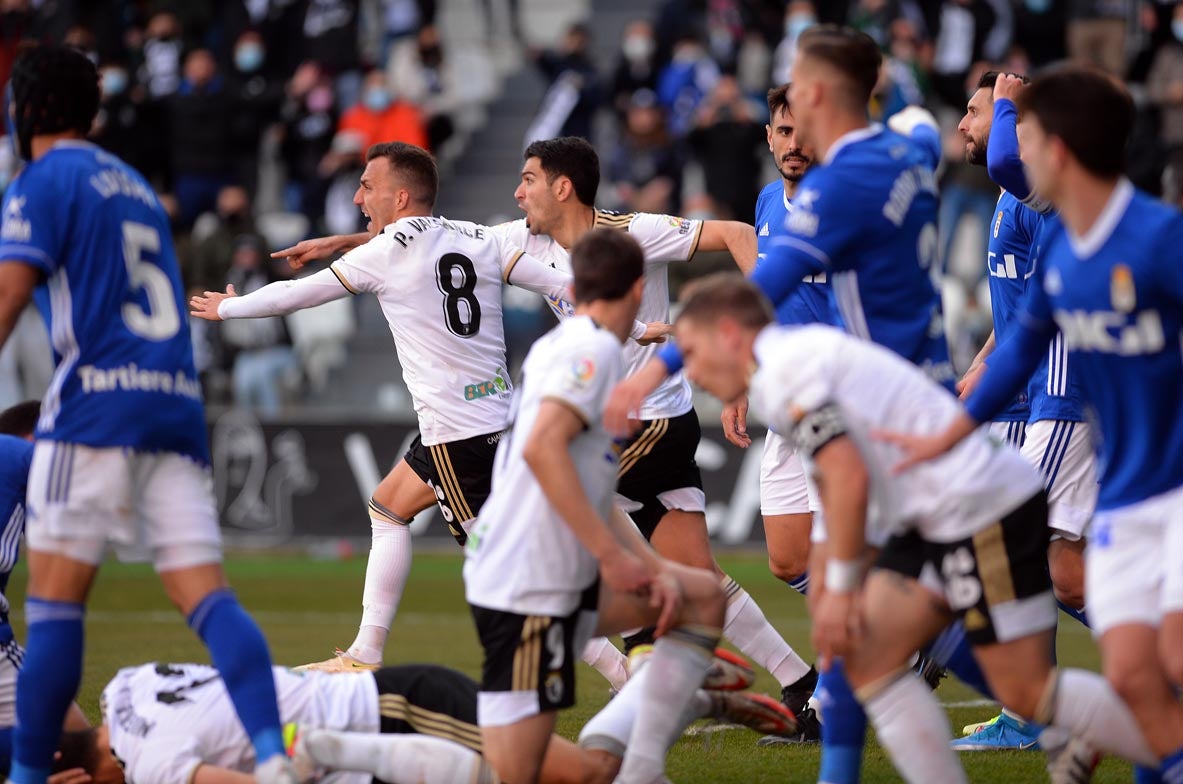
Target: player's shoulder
x=1150, y=216
x=14, y=451
x=613, y=219
x=770, y=193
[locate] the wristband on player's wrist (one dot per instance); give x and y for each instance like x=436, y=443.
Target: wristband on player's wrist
x=843, y=576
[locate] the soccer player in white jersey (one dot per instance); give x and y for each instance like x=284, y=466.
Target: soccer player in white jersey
x=963, y=537
x=550, y=562
x=439, y=284
x=658, y=474
x=172, y=724
x=122, y=451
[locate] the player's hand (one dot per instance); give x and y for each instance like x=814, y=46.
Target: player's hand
x=969, y=382
x=655, y=332
x=305, y=251
x=624, y=572
x=918, y=449
x=205, y=306
x=836, y=626
x=665, y=593
x=71, y=776
x=627, y=397
x=1008, y=86
x=735, y=423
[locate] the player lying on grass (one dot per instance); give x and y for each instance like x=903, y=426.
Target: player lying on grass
x=166, y=723
x=962, y=537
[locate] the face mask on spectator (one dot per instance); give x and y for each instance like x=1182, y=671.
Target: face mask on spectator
x=377, y=99
x=248, y=57
x=799, y=23
x=320, y=99
x=638, y=47
x=1038, y=6
x=1177, y=29
x=431, y=56
x=114, y=81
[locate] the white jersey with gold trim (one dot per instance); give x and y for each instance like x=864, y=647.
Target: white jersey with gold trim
x=167, y=719
x=664, y=239
x=521, y=556
x=806, y=372
x=439, y=284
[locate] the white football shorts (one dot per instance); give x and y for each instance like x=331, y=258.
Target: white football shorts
x=785, y=486
x=1063, y=453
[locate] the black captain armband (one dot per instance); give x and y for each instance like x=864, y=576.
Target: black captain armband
x=818, y=428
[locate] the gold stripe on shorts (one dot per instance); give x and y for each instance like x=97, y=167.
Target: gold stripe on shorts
x=643, y=445
x=452, y=491
x=527, y=659
x=994, y=566
x=428, y=722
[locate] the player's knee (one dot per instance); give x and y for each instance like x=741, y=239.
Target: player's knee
x=1135, y=678
x=788, y=566
x=599, y=767
x=1068, y=580
x=705, y=601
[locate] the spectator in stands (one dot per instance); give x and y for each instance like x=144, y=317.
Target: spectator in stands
x=905, y=72
x=262, y=348
x=381, y=115
x=425, y=79
x=1164, y=87
x=121, y=126
x=16, y=22
x=341, y=168
x=636, y=68
x=730, y=144
x=963, y=29
x=683, y=83
x=200, y=126
x=255, y=98
x=309, y=123
x=329, y=35
x=800, y=15
x=1039, y=30
x=162, y=56
x=215, y=236
x=574, y=93
x=1097, y=33
x=645, y=169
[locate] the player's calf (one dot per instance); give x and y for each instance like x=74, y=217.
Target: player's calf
x=1170, y=646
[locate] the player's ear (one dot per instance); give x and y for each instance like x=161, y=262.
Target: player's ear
x=562, y=188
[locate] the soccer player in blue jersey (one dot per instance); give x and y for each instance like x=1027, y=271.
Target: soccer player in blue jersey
x=121, y=453
x=1110, y=281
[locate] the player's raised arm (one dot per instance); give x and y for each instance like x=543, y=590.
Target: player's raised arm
x=735, y=237
x=1002, y=149
x=274, y=299
x=17, y=281
x=320, y=248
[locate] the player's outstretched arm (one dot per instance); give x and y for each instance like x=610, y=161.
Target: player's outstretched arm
x=735, y=237
x=17, y=281
x=1003, y=162
x=320, y=248
x=629, y=394
x=547, y=453
x=274, y=299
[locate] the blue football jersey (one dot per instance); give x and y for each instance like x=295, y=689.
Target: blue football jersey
x=1054, y=390
x=1008, y=257
x=1116, y=296
x=809, y=304
x=16, y=455
x=117, y=317
x=867, y=215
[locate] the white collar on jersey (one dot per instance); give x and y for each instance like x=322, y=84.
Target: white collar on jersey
x=72, y=143
x=850, y=137
x=785, y=196
x=1102, y=230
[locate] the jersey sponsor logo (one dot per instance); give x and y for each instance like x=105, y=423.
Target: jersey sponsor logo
x=802, y=222
x=1004, y=268
x=494, y=386
x=1121, y=289
x=1109, y=332
x=16, y=227
x=131, y=378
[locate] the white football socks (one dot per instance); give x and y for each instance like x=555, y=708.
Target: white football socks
x=398, y=759
x=681, y=658
x=601, y=654
x=747, y=628
x=914, y=730
x=609, y=729
x=386, y=577
x=1085, y=704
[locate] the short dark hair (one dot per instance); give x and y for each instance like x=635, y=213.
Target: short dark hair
x=571, y=157
x=710, y=298
x=605, y=263
x=55, y=89
x=851, y=53
x=990, y=78
x=21, y=419
x=414, y=165
x=78, y=749
x=1087, y=109
x=778, y=100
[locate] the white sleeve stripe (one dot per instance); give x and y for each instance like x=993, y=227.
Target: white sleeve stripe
x=850, y=303
x=341, y=278
x=793, y=242
x=512, y=263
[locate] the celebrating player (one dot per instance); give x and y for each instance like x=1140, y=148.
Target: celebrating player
x=121, y=453
x=1108, y=281
x=965, y=536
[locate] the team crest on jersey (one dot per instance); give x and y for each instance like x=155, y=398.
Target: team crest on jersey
x=997, y=224
x=582, y=372
x=1121, y=289
x=1052, y=283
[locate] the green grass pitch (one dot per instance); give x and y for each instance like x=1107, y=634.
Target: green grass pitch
x=306, y=607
